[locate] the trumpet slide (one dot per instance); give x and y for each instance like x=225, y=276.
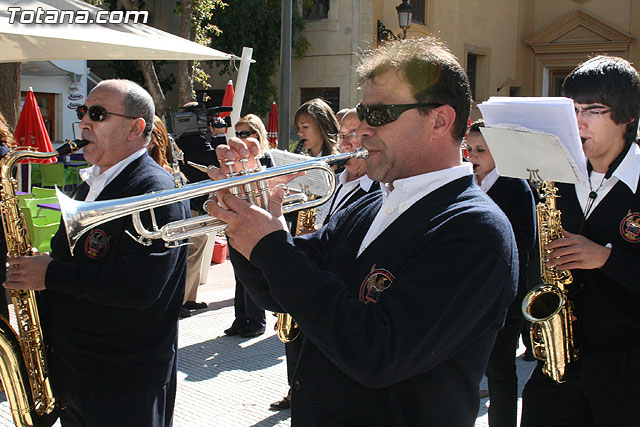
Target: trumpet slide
x=79, y=216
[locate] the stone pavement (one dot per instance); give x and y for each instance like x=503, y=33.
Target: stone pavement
x=230, y=381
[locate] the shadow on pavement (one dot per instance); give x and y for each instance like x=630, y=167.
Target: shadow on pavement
x=205, y=360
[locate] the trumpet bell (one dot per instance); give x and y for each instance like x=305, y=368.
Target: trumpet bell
x=80, y=216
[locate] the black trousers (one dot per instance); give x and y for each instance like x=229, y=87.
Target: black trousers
x=600, y=390
x=292, y=352
x=501, y=375
x=144, y=408
x=246, y=310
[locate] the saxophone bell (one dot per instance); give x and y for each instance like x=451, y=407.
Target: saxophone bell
x=547, y=306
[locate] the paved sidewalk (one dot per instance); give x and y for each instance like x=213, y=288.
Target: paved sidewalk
x=230, y=381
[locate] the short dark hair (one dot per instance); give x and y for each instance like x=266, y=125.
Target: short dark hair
x=610, y=81
x=432, y=71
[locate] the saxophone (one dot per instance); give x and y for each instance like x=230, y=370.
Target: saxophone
x=23, y=365
x=547, y=306
x=286, y=328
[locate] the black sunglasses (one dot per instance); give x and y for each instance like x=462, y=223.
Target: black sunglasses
x=381, y=114
x=244, y=133
x=96, y=113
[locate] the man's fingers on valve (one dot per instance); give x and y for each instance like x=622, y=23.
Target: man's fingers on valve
x=215, y=173
x=277, y=198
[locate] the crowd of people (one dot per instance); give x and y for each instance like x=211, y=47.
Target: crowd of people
x=410, y=335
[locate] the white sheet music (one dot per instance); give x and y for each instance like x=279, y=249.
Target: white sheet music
x=315, y=182
x=560, y=158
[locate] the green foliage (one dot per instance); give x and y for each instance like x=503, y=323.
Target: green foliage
x=256, y=24
x=201, y=30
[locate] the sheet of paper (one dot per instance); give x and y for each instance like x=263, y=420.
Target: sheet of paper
x=315, y=182
x=530, y=155
x=549, y=115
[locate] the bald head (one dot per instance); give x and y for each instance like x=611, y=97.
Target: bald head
x=135, y=100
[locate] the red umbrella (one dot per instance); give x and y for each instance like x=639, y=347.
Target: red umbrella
x=31, y=131
x=272, y=127
x=227, y=100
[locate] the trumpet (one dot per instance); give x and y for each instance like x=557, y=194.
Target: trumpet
x=79, y=216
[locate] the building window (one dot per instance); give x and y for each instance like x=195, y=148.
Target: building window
x=556, y=80
x=472, y=72
x=47, y=104
x=419, y=11
x=316, y=9
x=330, y=94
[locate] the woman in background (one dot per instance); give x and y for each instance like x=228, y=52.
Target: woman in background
x=159, y=149
x=317, y=127
x=515, y=198
x=250, y=319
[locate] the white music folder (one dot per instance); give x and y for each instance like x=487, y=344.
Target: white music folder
x=534, y=138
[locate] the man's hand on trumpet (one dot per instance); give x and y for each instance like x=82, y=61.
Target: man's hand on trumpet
x=247, y=223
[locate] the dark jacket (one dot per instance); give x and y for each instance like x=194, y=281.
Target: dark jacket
x=111, y=310
x=399, y=336
x=515, y=198
x=606, y=300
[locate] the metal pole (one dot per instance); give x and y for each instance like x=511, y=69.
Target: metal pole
x=241, y=85
x=285, y=75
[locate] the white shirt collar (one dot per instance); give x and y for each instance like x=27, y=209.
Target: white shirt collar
x=629, y=169
x=98, y=181
x=418, y=186
x=488, y=180
x=364, y=181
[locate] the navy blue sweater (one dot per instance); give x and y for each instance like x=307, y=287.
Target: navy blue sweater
x=111, y=310
x=401, y=334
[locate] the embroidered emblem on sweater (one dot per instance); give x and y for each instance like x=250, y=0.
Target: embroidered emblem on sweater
x=97, y=244
x=375, y=283
x=630, y=227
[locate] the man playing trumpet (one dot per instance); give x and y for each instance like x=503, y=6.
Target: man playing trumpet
x=398, y=301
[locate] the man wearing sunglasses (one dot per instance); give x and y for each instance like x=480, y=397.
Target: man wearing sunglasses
x=601, y=247
x=401, y=294
x=111, y=308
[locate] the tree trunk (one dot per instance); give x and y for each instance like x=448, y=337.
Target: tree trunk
x=10, y=92
x=153, y=85
x=185, y=68
x=150, y=75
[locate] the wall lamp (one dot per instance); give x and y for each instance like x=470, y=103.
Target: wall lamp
x=405, y=14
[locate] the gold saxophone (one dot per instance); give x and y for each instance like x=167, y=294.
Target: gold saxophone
x=547, y=306
x=23, y=364
x=286, y=328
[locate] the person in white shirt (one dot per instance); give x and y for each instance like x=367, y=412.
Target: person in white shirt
x=601, y=248
x=515, y=199
x=400, y=295
x=352, y=182
x=110, y=309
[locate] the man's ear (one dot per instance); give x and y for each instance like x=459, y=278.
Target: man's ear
x=445, y=117
x=137, y=128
